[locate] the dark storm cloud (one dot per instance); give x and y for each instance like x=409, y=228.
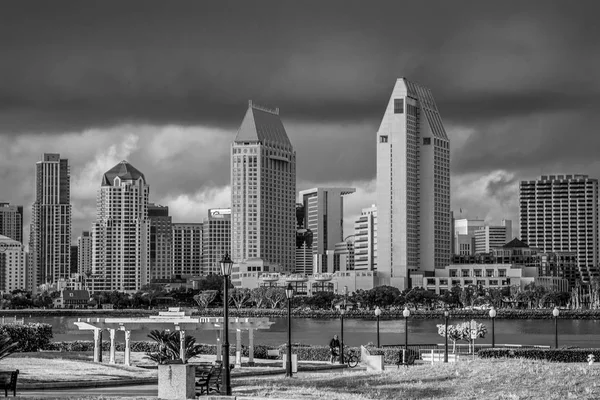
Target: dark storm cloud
x=72, y=64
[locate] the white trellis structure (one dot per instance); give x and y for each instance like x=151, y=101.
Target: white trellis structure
x=177, y=319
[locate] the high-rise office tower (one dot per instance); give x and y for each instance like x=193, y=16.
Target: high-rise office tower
x=84, y=253
x=413, y=186
x=50, y=231
x=161, y=242
x=324, y=216
x=187, y=248
x=121, y=232
x=216, y=239
x=489, y=236
x=263, y=191
x=11, y=221
x=559, y=213
x=463, y=233
x=304, y=241
x=365, y=240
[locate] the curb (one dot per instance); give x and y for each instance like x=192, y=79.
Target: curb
x=154, y=381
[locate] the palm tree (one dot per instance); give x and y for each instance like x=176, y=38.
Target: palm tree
x=7, y=346
x=169, y=347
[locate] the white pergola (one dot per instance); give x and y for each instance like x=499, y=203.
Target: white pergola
x=177, y=319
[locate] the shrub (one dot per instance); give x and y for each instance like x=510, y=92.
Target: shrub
x=555, y=355
x=30, y=337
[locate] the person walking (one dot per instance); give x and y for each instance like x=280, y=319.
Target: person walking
x=334, y=348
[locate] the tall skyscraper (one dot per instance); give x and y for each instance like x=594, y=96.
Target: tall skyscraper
x=216, y=239
x=413, y=186
x=50, y=231
x=11, y=221
x=84, y=253
x=365, y=240
x=121, y=232
x=161, y=242
x=263, y=191
x=324, y=216
x=187, y=249
x=559, y=213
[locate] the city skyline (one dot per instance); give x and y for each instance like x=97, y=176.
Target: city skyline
x=501, y=73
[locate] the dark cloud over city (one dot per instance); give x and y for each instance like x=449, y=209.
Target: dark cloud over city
x=165, y=85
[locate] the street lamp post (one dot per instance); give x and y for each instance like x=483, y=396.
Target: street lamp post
x=493, y=317
x=378, y=314
x=555, y=313
x=406, y=314
x=446, y=315
x=289, y=293
x=226, y=264
x=342, y=312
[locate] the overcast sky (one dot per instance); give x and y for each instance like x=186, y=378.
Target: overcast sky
x=165, y=85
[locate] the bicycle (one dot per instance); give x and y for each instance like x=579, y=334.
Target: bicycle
x=351, y=358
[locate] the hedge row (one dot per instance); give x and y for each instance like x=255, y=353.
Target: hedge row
x=555, y=355
x=391, y=355
x=304, y=352
x=30, y=337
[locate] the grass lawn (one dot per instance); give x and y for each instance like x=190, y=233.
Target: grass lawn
x=479, y=379
x=78, y=366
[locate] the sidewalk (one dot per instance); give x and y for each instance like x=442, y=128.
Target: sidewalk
x=154, y=381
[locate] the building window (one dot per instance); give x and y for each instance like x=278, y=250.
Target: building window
x=398, y=106
x=383, y=139
x=426, y=141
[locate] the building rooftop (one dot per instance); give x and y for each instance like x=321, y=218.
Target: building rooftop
x=124, y=171
x=515, y=243
x=263, y=125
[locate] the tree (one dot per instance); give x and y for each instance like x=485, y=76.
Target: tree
x=382, y=296
x=453, y=334
x=465, y=331
x=320, y=300
x=239, y=297
x=203, y=299
x=275, y=295
x=212, y=282
x=257, y=296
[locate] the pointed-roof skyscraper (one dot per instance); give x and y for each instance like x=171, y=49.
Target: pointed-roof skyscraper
x=413, y=187
x=121, y=232
x=263, y=191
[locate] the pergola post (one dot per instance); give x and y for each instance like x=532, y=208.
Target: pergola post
x=182, y=345
x=251, y=347
x=219, y=333
x=127, y=348
x=112, y=346
x=97, y=345
x=238, y=348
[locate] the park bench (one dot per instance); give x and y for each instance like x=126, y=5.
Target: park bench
x=406, y=361
x=273, y=353
x=209, y=380
x=8, y=381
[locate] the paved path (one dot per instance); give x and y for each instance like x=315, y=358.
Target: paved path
x=125, y=391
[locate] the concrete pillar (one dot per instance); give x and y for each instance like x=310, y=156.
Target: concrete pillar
x=182, y=345
x=251, y=347
x=238, y=348
x=219, y=333
x=97, y=345
x=127, y=348
x=112, y=346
